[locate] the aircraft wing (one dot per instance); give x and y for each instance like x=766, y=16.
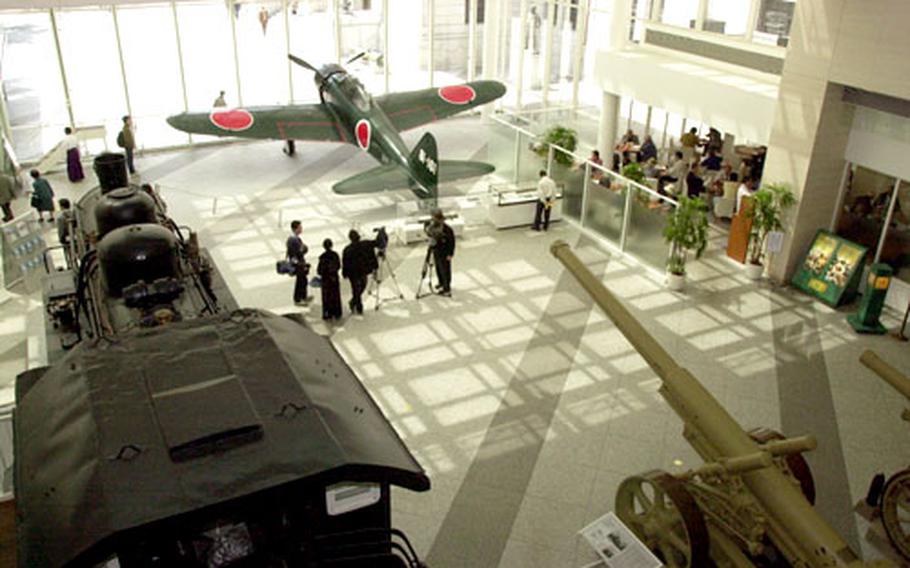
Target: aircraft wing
x=416, y=108
x=294, y=122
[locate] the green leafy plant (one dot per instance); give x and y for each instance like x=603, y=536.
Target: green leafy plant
x=634, y=172
x=686, y=230
x=768, y=206
x=561, y=136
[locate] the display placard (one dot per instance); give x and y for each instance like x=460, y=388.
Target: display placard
x=831, y=270
x=618, y=546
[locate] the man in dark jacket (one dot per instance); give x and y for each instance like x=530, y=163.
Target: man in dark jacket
x=443, y=250
x=296, y=251
x=358, y=261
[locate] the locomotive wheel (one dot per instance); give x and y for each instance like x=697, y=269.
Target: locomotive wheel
x=662, y=513
x=796, y=463
x=896, y=511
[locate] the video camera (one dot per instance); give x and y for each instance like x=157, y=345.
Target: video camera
x=381, y=242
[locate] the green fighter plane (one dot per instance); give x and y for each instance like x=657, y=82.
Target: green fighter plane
x=347, y=113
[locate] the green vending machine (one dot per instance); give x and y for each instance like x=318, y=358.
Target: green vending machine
x=870, y=307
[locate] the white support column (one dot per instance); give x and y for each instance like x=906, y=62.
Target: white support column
x=606, y=134
x=841, y=196
x=753, y=20
x=233, y=19
x=66, y=87
x=522, y=40
x=431, y=39
x=550, y=23
x=491, y=23
x=657, y=8
x=631, y=108
x=287, y=49
x=663, y=140
x=126, y=89
x=472, y=38
x=701, y=15
x=386, y=70
x=581, y=35
x=186, y=102
x=336, y=9
x=648, y=122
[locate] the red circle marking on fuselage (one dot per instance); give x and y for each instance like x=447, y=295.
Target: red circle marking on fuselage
x=364, y=132
x=457, y=94
x=234, y=120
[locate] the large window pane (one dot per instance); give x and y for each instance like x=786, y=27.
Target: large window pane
x=729, y=17
x=865, y=206
x=89, y=46
x=774, y=19
x=361, y=32
x=31, y=84
x=312, y=29
x=262, y=53
x=646, y=224
x=409, y=51
x=572, y=180
x=679, y=13
x=896, y=250
x=153, y=75
x=450, y=58
x=208, y=55
x=605, y=207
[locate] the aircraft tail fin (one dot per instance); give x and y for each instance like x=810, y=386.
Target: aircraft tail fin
x=424, y=164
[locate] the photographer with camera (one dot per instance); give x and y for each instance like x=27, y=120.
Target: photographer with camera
x=296, y=251
x=358, y=261
x=442, y=243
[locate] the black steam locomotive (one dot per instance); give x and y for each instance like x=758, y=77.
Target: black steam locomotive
x=174, y=430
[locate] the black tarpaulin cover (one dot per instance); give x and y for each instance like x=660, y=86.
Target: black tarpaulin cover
x=166, y=421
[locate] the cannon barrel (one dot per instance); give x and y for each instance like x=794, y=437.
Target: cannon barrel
x=898, y=381
x=794, y=526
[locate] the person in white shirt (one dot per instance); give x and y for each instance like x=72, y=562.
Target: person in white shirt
x=746, y=189
x=546, y=195
x=73, y=159
x=676, y=174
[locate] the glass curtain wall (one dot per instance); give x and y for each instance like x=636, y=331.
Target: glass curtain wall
x=261, y=52
x=450, y=42
x=311, y=32
x=32, y=86
x=682, y=13
x=88, y=44
x=208, y=54
x=362, y=32
x=153, y=75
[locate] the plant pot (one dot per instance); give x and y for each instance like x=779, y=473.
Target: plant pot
x=676, y=282
x=754, y=271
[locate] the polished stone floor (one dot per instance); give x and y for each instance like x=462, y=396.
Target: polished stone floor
x=522, y=401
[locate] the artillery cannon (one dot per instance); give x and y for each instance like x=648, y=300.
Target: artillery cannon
x=893, y=497
x=749, y=505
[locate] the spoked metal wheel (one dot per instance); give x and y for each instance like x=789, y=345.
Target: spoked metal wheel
x=896, y=511
x=663, y=514
x=795, y=463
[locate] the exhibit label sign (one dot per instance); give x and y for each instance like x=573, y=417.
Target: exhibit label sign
x=831, y=269
x=618, y=546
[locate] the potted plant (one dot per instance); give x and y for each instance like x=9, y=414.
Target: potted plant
x=686, y=230
x=561, y=136
x=766, y=212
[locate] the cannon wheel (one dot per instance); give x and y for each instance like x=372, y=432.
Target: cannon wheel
x=663, y=514
x=896, y=511
x=796, y=463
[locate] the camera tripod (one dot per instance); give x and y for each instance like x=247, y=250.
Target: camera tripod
x=426, y=273
x=381, y=273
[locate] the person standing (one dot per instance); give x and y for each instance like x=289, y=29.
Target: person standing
x=73, y=158
x=64, y=220
x=746, y=189
x=296, y=253
x=689, y=142
x=546, y=193
x=7, y=194
x=220, y=102
x=127, y=140
x=358, y=261
x=328, y=267
x=42, y=196
x=443, y=251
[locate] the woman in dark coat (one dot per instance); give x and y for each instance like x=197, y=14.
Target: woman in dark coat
x=42, y=196
x=328, y=267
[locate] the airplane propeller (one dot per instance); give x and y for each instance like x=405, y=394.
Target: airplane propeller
x=355, y=58
x=302, y=63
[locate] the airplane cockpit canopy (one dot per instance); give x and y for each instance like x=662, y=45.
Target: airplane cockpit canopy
x=353, y=90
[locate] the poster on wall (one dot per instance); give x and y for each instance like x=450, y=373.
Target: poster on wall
x=831, y=269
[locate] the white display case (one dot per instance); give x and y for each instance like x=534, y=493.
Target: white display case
x=514, y=205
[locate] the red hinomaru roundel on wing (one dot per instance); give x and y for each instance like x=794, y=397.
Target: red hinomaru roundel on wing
x=363, y=132
x=235, y=120
x=457, y=94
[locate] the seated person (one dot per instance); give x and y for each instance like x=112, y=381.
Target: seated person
x=595, y=158
x=652, y=170
x=648, y=150
x=712, y=162
x=675, y=174
x=626, y=146
x=694, y=184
